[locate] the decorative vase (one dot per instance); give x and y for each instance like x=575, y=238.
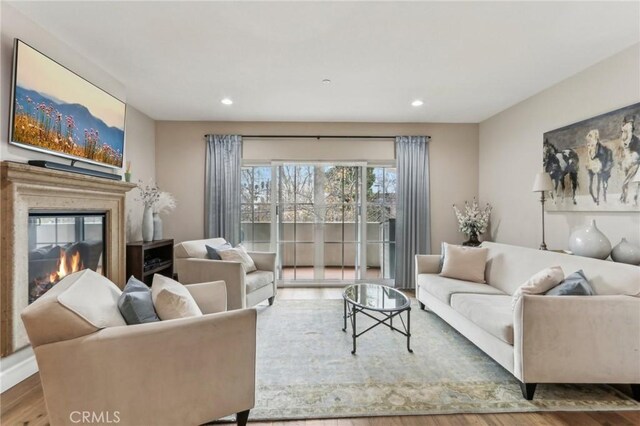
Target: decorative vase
x=157, y=227
x=625, y=252
x=473, y=240
x=588, y=241
x=127, y=177
x=147, y=224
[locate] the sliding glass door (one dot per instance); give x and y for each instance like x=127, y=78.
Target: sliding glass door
x=313, y=214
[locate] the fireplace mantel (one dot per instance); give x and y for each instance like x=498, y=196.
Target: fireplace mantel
x=24, y=188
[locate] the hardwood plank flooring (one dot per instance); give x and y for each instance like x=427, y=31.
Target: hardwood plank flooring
x=24, y=403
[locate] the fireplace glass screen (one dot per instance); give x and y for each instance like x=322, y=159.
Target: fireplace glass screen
x=63, y=243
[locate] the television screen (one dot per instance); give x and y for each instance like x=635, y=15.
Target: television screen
x=56, y=111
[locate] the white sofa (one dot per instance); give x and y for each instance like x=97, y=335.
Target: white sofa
x=243, y=290
x=544, y=339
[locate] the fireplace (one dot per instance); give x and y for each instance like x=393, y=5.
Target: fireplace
x=54, y=222
x=62, y=243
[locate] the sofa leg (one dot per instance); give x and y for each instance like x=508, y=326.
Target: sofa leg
x=528, y=389
x=271, y=299
x=422, y=306
x=635, y=391
x=242, y=417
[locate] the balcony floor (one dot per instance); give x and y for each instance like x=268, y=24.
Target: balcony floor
x=330, y=273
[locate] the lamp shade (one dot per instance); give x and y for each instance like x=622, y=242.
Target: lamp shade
x=636, y=177
x=542, y=182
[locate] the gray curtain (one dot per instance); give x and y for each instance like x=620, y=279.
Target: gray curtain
x=222, y=187
x=412, y=214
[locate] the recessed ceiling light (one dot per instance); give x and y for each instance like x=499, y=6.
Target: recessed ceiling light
x=326, y=81
x=226, y=101
x=417, y=103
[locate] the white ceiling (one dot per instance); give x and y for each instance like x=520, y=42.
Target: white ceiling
x=467, y=61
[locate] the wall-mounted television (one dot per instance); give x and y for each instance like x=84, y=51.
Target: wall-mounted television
x=54, y=110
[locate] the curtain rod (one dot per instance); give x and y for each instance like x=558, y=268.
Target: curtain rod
x=316, y=137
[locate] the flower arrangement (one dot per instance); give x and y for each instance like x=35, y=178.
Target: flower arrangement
x=149, y=194
x=165, y=203
x=154, y=199
x=473, y=221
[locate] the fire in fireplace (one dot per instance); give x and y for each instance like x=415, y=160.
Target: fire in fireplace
x=63, y=243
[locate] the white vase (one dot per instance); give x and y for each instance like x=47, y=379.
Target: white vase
x=625, y=252
x=157, y=227
x=147, y=224
x=588, y=241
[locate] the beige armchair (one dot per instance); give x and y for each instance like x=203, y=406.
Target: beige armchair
x=243, y=290
x=185, y=371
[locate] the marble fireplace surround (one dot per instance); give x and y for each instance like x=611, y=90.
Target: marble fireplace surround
x=24, y=188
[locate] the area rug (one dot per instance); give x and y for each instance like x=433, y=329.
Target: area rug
x=305, y=370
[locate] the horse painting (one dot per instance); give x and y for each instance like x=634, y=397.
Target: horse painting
x=592, y=163
x=631, y=157
x=559, y=165
x=599, y=165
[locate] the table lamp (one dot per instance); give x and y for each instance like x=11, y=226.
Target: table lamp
x=542, y=184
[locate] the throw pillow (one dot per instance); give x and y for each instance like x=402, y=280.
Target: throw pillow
x=239, y=254
x=575, y=284
x=172, y=300
x=136, y=304
x=212, y=252
x=464, y=263
x=94, y=298
x=539, y=283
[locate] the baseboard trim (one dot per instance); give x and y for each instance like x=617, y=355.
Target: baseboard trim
x=17, y=373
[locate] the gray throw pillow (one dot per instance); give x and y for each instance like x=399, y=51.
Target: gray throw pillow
x=212, y=252
x=575, y=284
x=135, y=303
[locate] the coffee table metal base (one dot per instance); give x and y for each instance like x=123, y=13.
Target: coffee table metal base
x=351, y=310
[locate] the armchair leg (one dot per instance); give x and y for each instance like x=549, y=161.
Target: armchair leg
x=635, y=391
x=528, y=389
x=422, y=306
x=271, y=299
x=242, y=417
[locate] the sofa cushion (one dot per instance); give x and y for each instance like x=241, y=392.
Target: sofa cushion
x=575, y=284
x=48, y=321
x=492, y=313
x=539, y=283
x=172, y=300
x=94, y=298
x=464, y=263
x=196, y=248
x=442, y=287
x=135, y=303
x=257, y=279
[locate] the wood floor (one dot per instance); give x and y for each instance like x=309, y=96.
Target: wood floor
x=24, y=403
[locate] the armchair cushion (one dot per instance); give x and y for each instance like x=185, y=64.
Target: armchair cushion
x=172, y=300
x=258, y=279
x=47, y=320
x=93, y=297
x=136, y=304
x=238, y=254
x=212, y=252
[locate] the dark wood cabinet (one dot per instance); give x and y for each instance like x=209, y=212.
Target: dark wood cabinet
x=147, y=258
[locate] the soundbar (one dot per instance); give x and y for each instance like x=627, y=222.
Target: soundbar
x=73, y=169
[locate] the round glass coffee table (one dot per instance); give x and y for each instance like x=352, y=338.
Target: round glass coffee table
x=385, y=302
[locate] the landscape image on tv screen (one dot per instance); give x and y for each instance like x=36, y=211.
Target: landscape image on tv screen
x=55, y=110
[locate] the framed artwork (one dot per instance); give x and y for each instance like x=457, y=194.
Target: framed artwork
x=592, y=163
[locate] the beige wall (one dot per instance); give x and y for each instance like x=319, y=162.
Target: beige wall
x=180, y=156
x=511, y=153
